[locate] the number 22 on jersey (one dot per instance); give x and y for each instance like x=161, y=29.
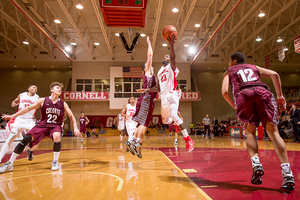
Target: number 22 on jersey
x=249, y=73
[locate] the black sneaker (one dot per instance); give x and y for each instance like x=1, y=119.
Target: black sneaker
x=137, y=149
x=129, y=147
x=29, y=155
x=288, y=181
x=258, y=172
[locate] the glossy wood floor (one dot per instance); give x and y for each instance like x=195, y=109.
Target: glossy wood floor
x=101, y=169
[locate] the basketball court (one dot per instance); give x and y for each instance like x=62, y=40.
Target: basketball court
x=101, y=169
x=97, y=48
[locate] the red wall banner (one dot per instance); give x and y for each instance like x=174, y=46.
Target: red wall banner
x=297, y=44
x=108, y=120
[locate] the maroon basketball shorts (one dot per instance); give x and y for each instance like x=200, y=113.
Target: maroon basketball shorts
x=38, y=133
x=82, y=129
x=256, y=104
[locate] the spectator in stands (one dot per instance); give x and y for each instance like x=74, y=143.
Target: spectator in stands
x=222, y=129
x=196, y=130
x=216, y=126
x=284, y=127
x=295, y=117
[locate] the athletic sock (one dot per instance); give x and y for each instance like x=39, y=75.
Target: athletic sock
x=55, y=156
x=13, y=157
x=286, y=168
x=255, y=161
x=185, y=133
x=138, y=140
x=175, y=140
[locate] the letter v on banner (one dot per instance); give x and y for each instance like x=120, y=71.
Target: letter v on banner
x=281, y=54
x=297, y=44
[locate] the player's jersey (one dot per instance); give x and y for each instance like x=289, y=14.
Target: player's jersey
x=167, y=78
x=243, y=76
x=82, y=121
x=130, y=111
x=52, y=114
x=26, y=101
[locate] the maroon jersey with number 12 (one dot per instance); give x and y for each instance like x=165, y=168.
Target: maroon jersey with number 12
x=52, y=114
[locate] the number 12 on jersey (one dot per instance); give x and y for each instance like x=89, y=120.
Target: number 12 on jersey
x=243, y=74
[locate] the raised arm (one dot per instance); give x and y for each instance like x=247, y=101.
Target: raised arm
x=274, y=76
x=34, y=106
x=172, y=51
x=225, y=89
x=71, y=116
x=149, y=56
x=15, y=102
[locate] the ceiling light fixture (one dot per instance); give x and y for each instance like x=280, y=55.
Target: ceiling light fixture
x=143, y=35
x=279, y=39
x=117, y=34
x=197, y=25
x=186, y=45
x=164, y=45
x=261, y=14
x=68, y=49
x=258, y=39
x=79, y=6
x=96, y=43
x=25, y=41
x=56, y=20
x=73, y=42
x=192, y=50
x=175, y=9
x=285, y=48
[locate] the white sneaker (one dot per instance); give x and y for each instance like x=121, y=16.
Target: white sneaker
x=81, y=140
x=288, y=181
x=175, y=143
x=55, y=166
x=6, y=167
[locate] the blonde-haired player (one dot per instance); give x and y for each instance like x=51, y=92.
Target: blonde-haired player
x=23, y=122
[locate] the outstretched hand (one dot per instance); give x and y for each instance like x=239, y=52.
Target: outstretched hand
x=76, y=132
x=281, y=101
x=7, y=117
x=148, y=40
x=171, y=39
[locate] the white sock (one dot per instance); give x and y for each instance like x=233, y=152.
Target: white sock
x=255, y=161
x=55, y=155
x=131, y=139
x=184, y=133
x=175, y=140
x=13, y=157
x=138, y=140
x=286, y=168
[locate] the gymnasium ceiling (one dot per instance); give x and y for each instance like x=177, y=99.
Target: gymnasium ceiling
x=227, y=26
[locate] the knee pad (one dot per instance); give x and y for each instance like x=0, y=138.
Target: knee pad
x=21, y=146
x=175, y=117
x=56, y=146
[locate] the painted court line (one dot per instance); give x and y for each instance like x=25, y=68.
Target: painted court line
x=189, y=180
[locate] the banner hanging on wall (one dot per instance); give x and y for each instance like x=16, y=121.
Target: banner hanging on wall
x=297, y=44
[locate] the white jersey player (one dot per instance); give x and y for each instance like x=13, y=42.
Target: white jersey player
x=128, y=112
x=23, y=122
x=169, y=95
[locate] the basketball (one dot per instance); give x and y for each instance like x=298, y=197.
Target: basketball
x=167, y=31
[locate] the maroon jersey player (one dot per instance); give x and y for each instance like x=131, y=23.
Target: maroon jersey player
x=254, y=103
x=52, y=117
x=83, y=121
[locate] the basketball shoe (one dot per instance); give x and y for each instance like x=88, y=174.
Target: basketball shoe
x=137, y=149
x=176, y=143
x=288, y=181
x=55, y=165
x=129, y=147
x=29, y=155
x=258, y=172
x=189, y=144
x=6, y=167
